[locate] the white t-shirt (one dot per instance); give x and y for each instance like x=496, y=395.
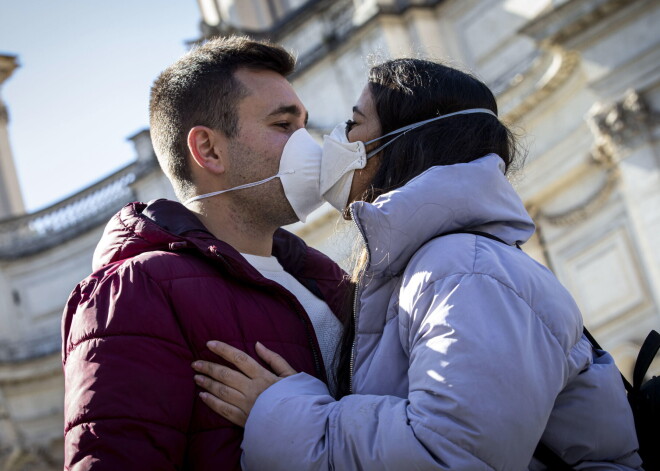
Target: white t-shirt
x=327, y=327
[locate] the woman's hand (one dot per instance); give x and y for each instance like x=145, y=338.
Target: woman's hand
x=233, y=393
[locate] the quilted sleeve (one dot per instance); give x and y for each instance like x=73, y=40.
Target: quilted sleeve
x=469, y=353
x=129, y=391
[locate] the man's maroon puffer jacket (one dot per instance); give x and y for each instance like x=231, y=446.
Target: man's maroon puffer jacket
x=162, y=287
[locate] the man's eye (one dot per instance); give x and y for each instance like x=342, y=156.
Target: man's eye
x=284, y=125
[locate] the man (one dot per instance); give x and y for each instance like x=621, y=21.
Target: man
x=168, y=277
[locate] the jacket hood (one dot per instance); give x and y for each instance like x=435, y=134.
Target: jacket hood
x=473, y=196
x=140, y=227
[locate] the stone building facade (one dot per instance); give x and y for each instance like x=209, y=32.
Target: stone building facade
x=579, y=78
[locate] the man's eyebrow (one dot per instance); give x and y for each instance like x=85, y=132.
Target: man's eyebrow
x=289, y=109
x=286, y=109
x=357, y=110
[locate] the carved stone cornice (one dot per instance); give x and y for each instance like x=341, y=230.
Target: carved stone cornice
x=570, y=19
x=585, y=209
x=8, y=63
x=561, y=69
x=619, y=127
x=340, y=23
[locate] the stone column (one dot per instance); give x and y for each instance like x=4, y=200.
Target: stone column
x=624, y=133
x=11, y=201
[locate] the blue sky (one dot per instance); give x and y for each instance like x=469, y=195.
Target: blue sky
x=83, y=85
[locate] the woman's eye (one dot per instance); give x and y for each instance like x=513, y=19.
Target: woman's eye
x=349, y=125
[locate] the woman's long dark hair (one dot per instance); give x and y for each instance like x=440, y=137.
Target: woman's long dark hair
x=407, y=91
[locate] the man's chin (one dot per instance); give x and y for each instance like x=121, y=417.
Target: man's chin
x=284, y=215
x=291, y=219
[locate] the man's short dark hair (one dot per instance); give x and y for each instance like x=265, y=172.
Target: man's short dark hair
x=200, y=90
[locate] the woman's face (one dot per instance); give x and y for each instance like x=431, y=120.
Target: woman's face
x=364, y=126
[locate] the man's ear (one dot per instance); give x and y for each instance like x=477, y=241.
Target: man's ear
x=208, y=148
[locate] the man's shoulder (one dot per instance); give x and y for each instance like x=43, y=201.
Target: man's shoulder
x=147, y=276
x=159, y=265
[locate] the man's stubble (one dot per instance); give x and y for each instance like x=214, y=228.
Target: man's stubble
x=264, y=206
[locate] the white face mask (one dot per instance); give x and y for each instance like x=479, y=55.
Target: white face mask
x=311, y=175
x=299, y=171
x=342, y=158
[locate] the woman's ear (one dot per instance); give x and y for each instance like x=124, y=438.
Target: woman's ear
x=208, y=148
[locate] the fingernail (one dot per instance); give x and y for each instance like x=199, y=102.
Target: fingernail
x=259, y=344
x=199, y=379
x=212, y=344
x=197, y=364
x=203, y=395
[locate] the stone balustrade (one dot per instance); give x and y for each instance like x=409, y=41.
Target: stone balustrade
x=32, y=233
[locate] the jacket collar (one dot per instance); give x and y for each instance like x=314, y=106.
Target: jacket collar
x=174, y=218
x=168, y=225
x=471, y=196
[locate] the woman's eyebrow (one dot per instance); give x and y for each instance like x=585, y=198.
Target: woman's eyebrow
x=357, y=110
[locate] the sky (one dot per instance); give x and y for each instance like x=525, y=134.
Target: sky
x=82, y=89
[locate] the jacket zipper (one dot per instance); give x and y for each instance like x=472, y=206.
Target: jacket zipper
x=310, y=340
x=355, y=303
x=309, y=328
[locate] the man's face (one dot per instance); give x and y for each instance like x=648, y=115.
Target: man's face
x=267, y=117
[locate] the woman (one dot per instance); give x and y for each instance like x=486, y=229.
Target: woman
x=465, y=352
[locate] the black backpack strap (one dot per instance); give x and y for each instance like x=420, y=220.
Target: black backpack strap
x=591, y=338
x=646, y=355
x=595, y=344
x=543, y=453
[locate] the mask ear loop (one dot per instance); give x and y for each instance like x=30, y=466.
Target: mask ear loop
x=402, y=131
x=374, y=152
x=240, y=187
